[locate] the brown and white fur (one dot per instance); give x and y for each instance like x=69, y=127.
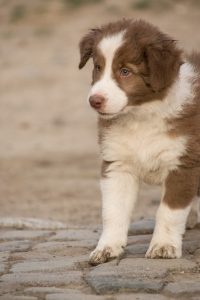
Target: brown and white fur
x=147, y=96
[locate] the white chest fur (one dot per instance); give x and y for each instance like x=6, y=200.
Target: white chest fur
x=145, y=146
x=140, y=138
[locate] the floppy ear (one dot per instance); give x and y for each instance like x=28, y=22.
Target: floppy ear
x=86, y=46
x=163, y=60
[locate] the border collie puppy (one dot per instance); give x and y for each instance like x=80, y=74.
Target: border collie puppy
x=146, y=93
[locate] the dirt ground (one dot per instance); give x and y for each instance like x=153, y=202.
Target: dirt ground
x=49, y=161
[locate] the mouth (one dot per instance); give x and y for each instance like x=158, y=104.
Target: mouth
x=126, y=109
x=107, y=115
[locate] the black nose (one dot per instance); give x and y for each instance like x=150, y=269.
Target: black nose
x=96, y=101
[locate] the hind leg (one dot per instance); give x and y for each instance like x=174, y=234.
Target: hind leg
x=194, y=216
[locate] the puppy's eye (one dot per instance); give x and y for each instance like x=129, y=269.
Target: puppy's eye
x=125, y=72
x=97, y=67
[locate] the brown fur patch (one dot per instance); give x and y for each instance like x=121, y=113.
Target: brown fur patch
x=198, y=192
x=188, y=122
x=184, y=184
x=181, y=187
x=90, y=41
x=156, y=58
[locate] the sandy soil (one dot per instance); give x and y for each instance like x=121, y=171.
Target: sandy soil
x=49, y=165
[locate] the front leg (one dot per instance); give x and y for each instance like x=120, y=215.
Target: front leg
x=119, y=192
x=180, y=188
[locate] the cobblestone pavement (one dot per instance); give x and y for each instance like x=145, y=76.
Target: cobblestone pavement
x=53, y=265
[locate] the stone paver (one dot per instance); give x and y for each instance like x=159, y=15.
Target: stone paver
x=142, y=227
x=183, y=286
x=15, y=246
x=105, y=285
x=2, y=268
x=4, y=256
x=53, y=265
x=57, y=264
x=135, y=274
x=75, y=244
x=142, y=297
x=139, y=239
x=76, y=235
x=49, y=290
x=197, y=255
x=43, y=279
x=13, y=297
x=137, y=249
x=24, y=234
x=74, y=297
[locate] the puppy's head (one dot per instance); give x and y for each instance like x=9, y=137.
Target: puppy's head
x=134, y=63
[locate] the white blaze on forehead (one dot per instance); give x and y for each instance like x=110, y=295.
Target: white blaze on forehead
x=110, y=44
x=107, y=87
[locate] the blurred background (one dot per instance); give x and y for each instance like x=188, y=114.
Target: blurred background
x=49, y=160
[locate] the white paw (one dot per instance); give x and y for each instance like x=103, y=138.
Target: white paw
x=163, y=251
x=102, y=255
